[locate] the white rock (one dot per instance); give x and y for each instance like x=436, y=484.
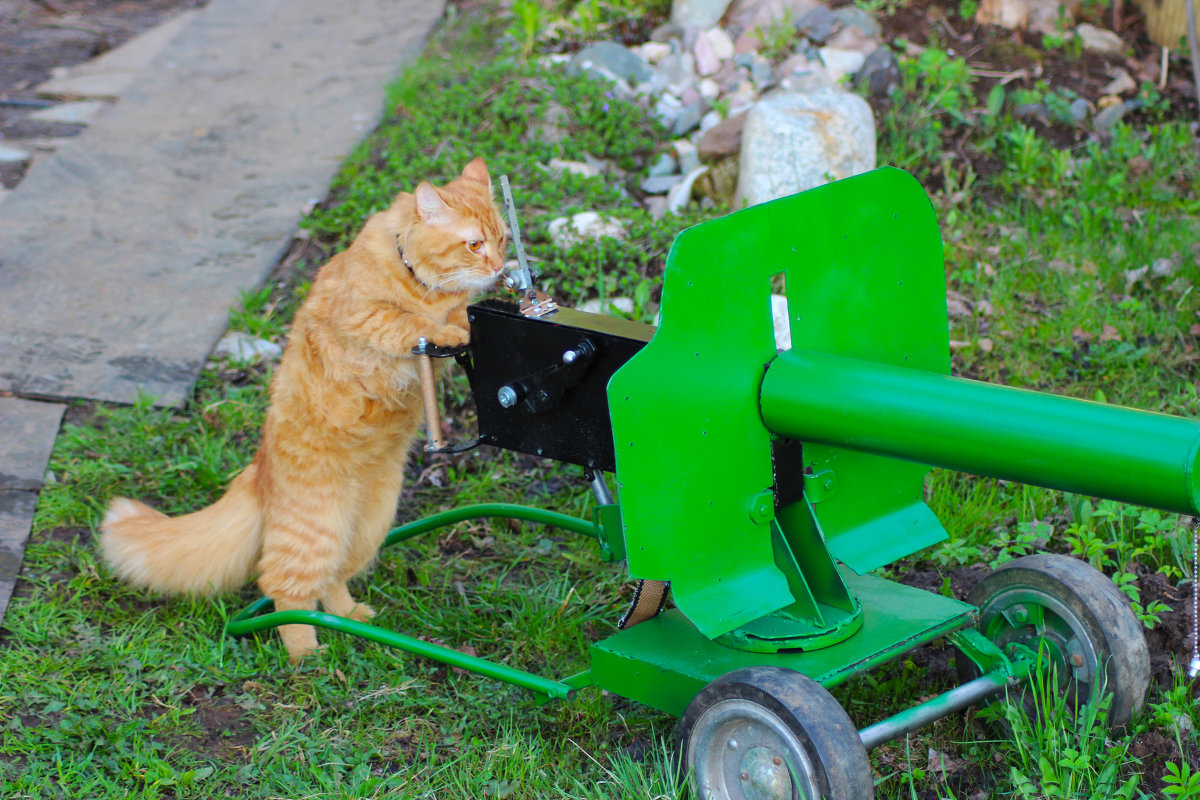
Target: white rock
x=608, y=305
x=558, y=167
x=707, y=62
x=586, y=226
x=653, y=52
x=794, y=142
x=1099, y=40
x=681, y=192
x=841, y=63
x=698, y=13
x=708, y=89
x=12, y=155
x=781, y=321
x=239, y=346
x=710, y=120
x=719, y=41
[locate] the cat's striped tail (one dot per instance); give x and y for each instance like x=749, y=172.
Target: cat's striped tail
x=208, y=551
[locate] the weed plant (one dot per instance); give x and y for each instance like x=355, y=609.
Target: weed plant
x=1077, y=271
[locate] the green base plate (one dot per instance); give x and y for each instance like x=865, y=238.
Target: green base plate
x=664, y=662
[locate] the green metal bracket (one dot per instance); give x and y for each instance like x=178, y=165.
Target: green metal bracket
x=607, y=519
x=862, y=260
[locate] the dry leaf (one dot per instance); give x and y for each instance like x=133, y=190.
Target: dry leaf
x=986, y=345
x=1109, y=334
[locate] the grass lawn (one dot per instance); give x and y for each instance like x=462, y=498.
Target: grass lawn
x=1071, y=270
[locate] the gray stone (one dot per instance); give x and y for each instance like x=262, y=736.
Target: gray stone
x=242, y=347
x=1031, y=111
x=660, y=184
x=678, y=72
x=1109, y=117
x=1080, y=109
x=27, y=432
x=748, y=15
x=794, y=142
x=663, y=165
x=552, y=127
x=852, y=16
x=817, y=25
x=13, y=155
x=16, y=519
x=611, y=61
x=689, y=118
x=880, y=73
x=121, y=253
x=688, y=155
x=82, y=112
x=111, y=74
x=698, y=13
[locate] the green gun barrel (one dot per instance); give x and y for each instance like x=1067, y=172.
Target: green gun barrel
x=1059, y=442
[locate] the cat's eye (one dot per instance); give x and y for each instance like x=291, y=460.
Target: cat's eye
x=474, y=246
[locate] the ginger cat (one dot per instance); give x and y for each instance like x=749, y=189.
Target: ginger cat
x=312, y=508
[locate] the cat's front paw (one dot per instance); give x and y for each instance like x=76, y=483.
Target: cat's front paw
x=451, y=336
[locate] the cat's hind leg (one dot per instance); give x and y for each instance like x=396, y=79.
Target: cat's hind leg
x=380, y=494
x=305, y=533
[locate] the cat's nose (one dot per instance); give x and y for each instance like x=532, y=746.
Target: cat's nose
x=498, y=268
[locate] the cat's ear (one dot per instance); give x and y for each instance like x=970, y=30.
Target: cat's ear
x=430, y=205
x=477, y=171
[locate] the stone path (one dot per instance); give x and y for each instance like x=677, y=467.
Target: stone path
x=121, y=252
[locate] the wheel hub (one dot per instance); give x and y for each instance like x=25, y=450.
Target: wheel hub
x=765, y=776
x=744, y=752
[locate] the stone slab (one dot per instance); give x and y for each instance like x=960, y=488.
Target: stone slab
x=110, y=75
x=16, y=520
x=76, y=112
x=27, y=432
x=121, y=253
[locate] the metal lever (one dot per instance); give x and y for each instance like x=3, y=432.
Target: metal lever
x=533, y=302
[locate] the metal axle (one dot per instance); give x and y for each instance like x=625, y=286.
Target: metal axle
x=935, y=708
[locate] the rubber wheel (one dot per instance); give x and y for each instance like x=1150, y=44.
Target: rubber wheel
x=1076, y=616
x=766, y=733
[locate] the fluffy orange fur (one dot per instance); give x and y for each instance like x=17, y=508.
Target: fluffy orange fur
x=311, y=509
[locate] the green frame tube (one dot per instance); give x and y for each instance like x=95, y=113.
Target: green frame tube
x=255, y=618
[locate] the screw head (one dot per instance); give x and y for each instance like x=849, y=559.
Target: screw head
x=507, y=396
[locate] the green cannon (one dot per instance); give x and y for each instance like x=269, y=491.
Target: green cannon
x=766, y=483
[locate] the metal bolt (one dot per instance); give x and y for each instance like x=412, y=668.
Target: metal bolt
x=1077, y=660
x=570, y=356
x=733, y=745
x=507, y=396
x=745, y=776
x=1020, y=614
x=777, y=761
